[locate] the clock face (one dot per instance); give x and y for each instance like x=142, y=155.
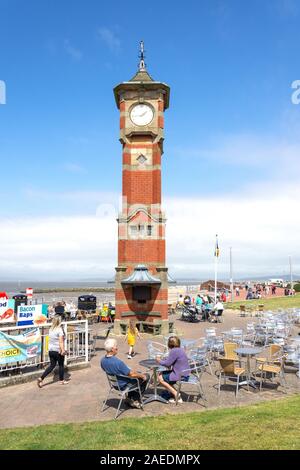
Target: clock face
x=141, y=114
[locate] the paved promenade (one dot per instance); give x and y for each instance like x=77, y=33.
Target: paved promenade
x=81, y=399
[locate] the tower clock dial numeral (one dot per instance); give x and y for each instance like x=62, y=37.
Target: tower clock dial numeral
x=141, y=114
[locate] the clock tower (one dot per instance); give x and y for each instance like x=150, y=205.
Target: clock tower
x=141, y=274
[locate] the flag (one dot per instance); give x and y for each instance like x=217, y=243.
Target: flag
x=217, y=250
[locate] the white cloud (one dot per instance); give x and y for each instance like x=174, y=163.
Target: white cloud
x=72, y=51
x=262, y=229
x=277, y=155
x=51, y=248
x=109, y=38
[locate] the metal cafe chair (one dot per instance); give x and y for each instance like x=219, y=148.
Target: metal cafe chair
x=114, y=388
x=229, y=351
x=156, y=349
x=292, y=352
x=200, y=357
x=214, y=346
x=270, y=353
x=194, y=379
x=270, y=369
x=229, y=370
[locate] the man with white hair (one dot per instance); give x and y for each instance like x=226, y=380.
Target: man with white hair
x=114, y=366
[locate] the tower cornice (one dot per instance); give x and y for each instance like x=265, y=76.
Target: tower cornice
x=137, y=86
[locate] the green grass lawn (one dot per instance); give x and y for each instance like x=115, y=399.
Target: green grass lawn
x=269, y=304
x=269, y=425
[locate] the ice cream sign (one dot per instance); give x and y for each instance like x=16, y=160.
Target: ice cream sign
x=32, y=314
x=7, y=310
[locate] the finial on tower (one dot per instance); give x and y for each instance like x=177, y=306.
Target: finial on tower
x=142, y=65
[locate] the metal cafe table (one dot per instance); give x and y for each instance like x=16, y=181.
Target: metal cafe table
x=248, y=352
x=154, y=366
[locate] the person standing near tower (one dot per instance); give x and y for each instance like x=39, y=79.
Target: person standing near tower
x=131, y=335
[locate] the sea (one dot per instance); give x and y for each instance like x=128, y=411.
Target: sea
x=17, y=287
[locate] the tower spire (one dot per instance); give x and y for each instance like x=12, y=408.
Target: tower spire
x=142, y=65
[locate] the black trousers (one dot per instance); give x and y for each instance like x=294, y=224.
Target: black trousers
x=55, y=358
x=143, y=384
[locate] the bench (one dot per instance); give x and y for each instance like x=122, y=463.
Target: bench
x=147, y=326
x=123, y=327
x=154, y=328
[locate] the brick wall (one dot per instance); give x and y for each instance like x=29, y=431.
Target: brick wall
x=142, y=251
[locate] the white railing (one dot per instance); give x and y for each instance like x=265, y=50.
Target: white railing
x=77, y=345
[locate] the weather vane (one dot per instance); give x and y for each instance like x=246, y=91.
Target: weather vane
x=142, y=65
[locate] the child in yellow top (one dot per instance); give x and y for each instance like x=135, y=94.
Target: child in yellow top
x=132, y=333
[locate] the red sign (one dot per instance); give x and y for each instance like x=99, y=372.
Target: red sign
x=29, y=292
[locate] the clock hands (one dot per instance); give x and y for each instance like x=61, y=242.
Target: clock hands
x=141, y=113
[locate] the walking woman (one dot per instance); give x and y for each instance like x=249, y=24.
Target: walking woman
x=56, y=351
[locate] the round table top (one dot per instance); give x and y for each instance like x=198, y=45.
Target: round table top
x=150, y=363
x=248, y=351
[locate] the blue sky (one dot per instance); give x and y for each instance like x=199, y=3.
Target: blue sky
x=231, y=132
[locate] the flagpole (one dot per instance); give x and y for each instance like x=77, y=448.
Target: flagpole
x=231, y=278
x=291, y=273
x=216, y=274
x=216, y=266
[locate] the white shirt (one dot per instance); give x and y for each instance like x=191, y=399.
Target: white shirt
x=54, y=336
x=219, y=306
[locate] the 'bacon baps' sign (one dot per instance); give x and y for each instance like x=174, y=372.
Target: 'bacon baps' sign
x=32, y=314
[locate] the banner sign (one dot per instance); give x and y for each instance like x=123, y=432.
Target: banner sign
x=32, y=314
x=20, y=347
x=7, y=310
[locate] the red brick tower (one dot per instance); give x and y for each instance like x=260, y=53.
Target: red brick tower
x=141, y=274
